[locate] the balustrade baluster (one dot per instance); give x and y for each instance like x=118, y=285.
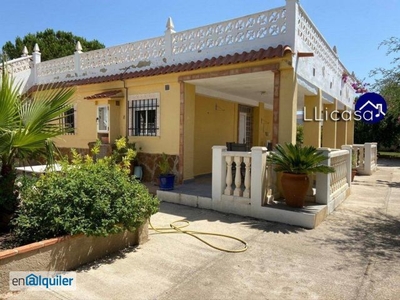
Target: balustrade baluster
x=247, y=179
x=361, y=158
x=238, y=177
x=228, y=188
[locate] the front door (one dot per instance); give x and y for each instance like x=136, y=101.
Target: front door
x=245, y=128
x=242, y=128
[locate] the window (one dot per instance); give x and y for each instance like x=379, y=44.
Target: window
x=144, y=115
x=103, y=118
x=69, y=121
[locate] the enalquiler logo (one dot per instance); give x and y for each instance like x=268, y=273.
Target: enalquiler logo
x=371, y=107
x=38, y=281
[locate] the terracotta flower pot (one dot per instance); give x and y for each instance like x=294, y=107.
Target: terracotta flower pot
x=294, y=188
x=353, y=174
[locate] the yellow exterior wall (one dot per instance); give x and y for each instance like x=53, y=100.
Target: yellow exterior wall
x=168, y=141
x=189, y=130
x=203, y=125
x=287, y=107
x=85, y=123
x=312, y=129
x=215, y=124
x=350, y=132
x=262, y=126
x=86, y=114
x=329, y=130
x=115, y=116
x=341, y=133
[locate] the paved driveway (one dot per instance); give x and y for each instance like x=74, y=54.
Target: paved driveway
x=353, y=254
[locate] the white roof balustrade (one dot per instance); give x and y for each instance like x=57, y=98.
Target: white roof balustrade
x=288, y=25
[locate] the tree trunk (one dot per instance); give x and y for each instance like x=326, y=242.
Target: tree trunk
x=8, y=197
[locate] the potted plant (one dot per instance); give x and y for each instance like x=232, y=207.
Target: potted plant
x=123, y=148
x=296, y=163
x=353, y=164
x=166, y=179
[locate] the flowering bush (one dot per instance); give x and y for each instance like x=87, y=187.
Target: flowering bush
x=360, y=87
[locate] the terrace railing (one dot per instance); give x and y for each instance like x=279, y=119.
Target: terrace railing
x=239, y=177
x=286, y=25
x=333, y=188
x=367, y=157
x=246, y=33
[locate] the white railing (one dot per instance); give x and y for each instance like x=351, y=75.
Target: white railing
x=56, y=66
x=310, y=35
x=19, y=64
x=246, y=29
x=367, y=158
x=239, y=177
x=128, y=53
x=242, y=181
x=286, y=25
x=333, y=188
x=246, y=33
x=326, y=71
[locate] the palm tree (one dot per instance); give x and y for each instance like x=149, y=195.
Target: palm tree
x=28, y=124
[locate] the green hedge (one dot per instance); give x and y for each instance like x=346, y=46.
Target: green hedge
x=89, y=197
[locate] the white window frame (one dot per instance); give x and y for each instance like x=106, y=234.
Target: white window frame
x=62, y=120
x=108, y=119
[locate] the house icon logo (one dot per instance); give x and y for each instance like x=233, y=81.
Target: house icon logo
x=371, y=107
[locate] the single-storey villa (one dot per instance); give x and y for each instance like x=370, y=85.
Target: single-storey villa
x=238, y=81
x=241, y=84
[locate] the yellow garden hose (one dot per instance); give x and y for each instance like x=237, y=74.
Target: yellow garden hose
x=179, y=229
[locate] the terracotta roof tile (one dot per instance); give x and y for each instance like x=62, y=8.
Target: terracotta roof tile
x=106, y=94
x=251, y=56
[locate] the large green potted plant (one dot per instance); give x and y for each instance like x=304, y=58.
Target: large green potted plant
x=166, y=179
x=296, y=163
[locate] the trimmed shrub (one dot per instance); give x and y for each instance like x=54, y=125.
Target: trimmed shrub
x=90, y=197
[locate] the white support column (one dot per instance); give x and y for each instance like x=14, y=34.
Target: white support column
x=258, y=179
x=218, y=172
x=349, y=162
x=368, y=158
x=292, y=7
x=323, y=183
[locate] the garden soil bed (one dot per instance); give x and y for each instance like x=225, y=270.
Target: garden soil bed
x=6, y=241
x=62, y=253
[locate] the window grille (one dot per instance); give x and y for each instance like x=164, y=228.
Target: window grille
x=144, y=115
x=69, y=121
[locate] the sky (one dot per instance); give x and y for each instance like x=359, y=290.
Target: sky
x=355, y=27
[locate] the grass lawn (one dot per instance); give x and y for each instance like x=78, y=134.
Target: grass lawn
x=383, y=154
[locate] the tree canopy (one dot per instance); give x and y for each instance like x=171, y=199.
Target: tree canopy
x=52, y=44
x=387, y=131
